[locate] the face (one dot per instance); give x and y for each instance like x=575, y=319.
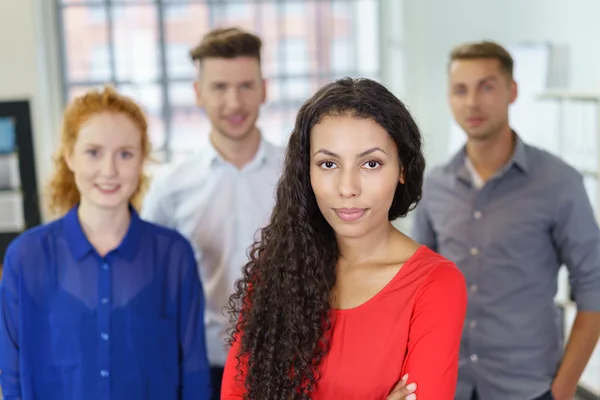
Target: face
x=480, y=95
x=354, y=173
x=231, y=91
x=107, y=160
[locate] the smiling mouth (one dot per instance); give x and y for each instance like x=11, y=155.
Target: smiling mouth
x=236, y=119
x=350, y=214
x=475, y=120
x=108, y=189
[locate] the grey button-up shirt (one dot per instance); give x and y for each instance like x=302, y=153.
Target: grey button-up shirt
x=509, y=238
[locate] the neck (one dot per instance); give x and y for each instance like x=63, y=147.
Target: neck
x=102, y=224
x=490, y=155
x=236, y=152
x=375, y=245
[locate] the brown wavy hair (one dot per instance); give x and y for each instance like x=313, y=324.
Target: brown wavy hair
x=283, y=321
x=62, y=190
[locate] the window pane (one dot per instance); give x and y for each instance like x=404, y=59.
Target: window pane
x=69, y=2
x=366, y=33
x=240, y=14
x=182, y=94
x=182, y=32
x=295, y=56
x=149, y=97
x=298, y=89
x=342, y=42
x=136, y=43
x=86, y=44
x=273, y=90
x=270, y=35
x=276, y=124
x=77, y=91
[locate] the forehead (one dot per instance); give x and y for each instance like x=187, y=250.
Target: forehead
x=467, y=71
x=232, y=70
x=111, y=130
x=348, y=133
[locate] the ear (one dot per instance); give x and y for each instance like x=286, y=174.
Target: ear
x=514, y=91
x=68, y=156
x=402, y=179
x=264, y=91
x=198, y=92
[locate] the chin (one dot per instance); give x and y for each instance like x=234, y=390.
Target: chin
x=110, y=203
x=348, y=231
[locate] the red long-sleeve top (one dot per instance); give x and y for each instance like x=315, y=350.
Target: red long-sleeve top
x=413, y=325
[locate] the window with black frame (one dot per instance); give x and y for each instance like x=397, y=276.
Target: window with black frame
x=141, y=47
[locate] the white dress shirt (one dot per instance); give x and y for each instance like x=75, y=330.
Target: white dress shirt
x=219, y=209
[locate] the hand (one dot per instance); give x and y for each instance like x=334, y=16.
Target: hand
x=402, y=391
x=562, y=393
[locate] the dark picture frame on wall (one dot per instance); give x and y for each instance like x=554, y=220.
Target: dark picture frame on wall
x=19, y=204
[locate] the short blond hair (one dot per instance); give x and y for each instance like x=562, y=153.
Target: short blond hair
x=227, y=43
x=62, y=190
x=484, y=49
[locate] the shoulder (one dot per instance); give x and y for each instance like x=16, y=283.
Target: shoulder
x=441, y=274
x=275, y=154
x=175, y=176
x=438, y=176
x=550, y=167
x=31, y=242
x=168, y=240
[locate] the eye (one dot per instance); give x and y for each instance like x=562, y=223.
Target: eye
x=92, y=152
x=372, y=164
x=327, y=164
x=126, y=154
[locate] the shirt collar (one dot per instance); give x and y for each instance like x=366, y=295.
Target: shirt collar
x=518, y=159
x=212, y=156
x=80, y=246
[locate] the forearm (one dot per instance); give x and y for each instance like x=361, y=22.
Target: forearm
x=580, y=346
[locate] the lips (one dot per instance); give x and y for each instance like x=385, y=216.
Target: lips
x=236, y=119
x=350, y=214
x=476, y=120
x=108, y=189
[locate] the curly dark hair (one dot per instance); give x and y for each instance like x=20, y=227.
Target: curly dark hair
x=280, y=308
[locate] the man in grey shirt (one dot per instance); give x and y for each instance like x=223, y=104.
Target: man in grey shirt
x=509, y=215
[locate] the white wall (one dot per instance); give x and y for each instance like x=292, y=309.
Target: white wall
x=29, y=70
x=433, y=27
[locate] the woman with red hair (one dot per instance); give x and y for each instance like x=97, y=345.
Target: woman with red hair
x=100, y=304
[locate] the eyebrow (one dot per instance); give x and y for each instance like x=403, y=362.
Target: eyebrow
x=488, y=78
x=127, y=147
x=481, y=81
x=223, y=83
x=364, y=153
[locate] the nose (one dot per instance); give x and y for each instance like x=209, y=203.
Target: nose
x=472, y=99
x=109, y=166
x=349, y=183
x=233, y=99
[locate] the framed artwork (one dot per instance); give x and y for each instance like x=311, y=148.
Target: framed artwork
x=19, y=205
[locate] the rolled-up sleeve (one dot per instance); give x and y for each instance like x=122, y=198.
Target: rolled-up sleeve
x=577, y=238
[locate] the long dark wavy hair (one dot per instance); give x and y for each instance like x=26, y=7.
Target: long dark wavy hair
x=280, y=308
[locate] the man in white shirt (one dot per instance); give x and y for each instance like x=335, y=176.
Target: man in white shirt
x=219, y=198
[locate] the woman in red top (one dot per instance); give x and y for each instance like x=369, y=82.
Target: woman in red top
x=335, y=302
